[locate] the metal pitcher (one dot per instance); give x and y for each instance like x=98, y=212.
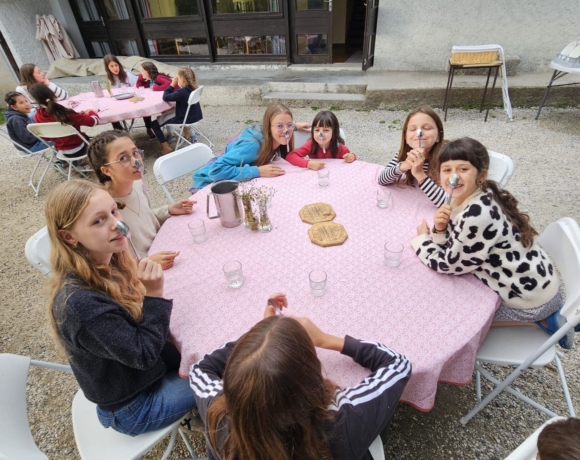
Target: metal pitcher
x=96, y=88
x=227, y=203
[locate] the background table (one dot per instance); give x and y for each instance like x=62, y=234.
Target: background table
x=152, y=104
x=438, y=321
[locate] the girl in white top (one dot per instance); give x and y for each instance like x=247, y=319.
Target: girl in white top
x=118, y=165
x=30, y=74
x=117, y=75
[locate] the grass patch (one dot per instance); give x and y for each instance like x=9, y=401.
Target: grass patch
x=396, y=122
x=249, y=122
x=382, y=122
x=314, y=108
x=334, y=108
x=2, y=119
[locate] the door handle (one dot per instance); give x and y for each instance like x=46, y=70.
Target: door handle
x=103, y=21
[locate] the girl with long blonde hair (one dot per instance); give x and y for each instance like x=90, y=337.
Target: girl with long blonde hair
x=247, y=157
x=109, y=315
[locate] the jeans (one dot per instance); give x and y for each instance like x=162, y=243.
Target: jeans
x=39, y=146
x=156, y=407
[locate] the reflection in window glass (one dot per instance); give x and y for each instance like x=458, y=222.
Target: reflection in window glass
x=302, y=5
x=275, y=44
x=178, y=47
x=101, y=48
x=168, y=8
x=127, y=47
x=116, y=9
x=312, y=44
x=244, y=6
x=88, y=10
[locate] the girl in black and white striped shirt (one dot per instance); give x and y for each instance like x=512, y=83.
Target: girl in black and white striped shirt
x=264, y=396
x=415, y=162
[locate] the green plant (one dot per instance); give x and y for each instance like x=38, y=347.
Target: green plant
x=334, y=108
x=382, y=122
x=2, y=119
x=314, y=108
x=249, y=122
x=396, y=122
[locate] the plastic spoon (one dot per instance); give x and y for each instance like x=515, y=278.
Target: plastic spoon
x=419, y=136
x=321, y=138
x=452, y=183
x=126, y=232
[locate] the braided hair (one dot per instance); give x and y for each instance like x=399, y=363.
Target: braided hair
x=189, y=76
x=98, y=151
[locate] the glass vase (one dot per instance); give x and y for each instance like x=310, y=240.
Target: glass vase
x=265, y=224
x=250, y=220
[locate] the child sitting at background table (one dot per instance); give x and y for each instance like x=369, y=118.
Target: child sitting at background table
x=50, y=111
x=118, y=164
x=247, y=156
x=417, y=157
x=109, y=316
x=17, y=118
x=483, y=232
x=30, y=74
x=151, y=78
x=182, y=85
x=325, y=142
x=118, y=77
x=264, y=396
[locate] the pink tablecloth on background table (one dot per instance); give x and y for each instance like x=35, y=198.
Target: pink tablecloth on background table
x=116, y=110
x=438, y=321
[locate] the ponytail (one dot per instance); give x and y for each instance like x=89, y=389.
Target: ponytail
x=45, y=97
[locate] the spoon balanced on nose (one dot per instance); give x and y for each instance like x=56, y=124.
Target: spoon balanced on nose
x=419, y=136
x=321, y=138
x=126, y=232
x=452, y=183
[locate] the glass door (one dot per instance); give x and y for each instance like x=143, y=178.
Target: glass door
x=311, y=30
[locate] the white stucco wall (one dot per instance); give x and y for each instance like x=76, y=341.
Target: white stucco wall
x=419, y=36
x=18, y=25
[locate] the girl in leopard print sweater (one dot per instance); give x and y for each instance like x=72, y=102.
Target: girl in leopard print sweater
x=484, y=233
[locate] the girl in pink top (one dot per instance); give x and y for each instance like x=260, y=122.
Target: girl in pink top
x=325, y=142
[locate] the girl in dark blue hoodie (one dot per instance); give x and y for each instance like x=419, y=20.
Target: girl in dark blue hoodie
x=16, y=121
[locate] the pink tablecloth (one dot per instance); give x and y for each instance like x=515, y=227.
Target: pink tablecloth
x=111, y=109
x=438, y=321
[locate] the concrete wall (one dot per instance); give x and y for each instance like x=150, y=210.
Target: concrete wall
x=419, y=36
x=18, y=25
x=62, y=11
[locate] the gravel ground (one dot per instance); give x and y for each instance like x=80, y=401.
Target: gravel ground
x=545, y=155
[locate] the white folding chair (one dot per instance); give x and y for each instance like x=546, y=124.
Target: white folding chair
x=300, y=137
x=43, y=155
x=194, y=98
x=37, y=251
x=179, y=163
x=377, y=450
x=529, y=346
x=16, y=440
x=528, y=450
x=56, y=130
x=501, y=168
x=95, y=442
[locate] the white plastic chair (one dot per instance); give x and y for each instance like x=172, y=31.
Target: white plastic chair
x=43, y=155
x=56, y=130
x=16, y=440
x=501, y=168
x=95, y=442
x=530, y=346
x=376, y=449
x=179, y=163
x=194, y=98
x=37, y=251
x=300, y=137
x=528, y=450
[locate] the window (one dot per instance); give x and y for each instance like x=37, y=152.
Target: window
x=312, y=44
x=168, y=8
x=265, y=44
x=88, y=10
x=116, y=9
x=127, y=47
x=100, y=48
x=178, y=47
x=245, y=6
x=302, y=5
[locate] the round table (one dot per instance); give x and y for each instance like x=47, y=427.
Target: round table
x=437, y=321
x=111, y=109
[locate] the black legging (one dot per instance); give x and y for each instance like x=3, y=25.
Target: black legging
x=146, y=120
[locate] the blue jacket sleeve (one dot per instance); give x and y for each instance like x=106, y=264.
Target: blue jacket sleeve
x=227, y=167
x=19, y=133
x=172, y=95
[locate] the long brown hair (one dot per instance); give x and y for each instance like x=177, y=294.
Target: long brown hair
x=26, y=75
x=405, y=148
x=151, y=70
x=274, y=400
x=122, y=74
x=118, y=280
x=326, y=119
x=560, y=440
x=45, y=97
x=189, y=76
x=98, y=151
x=265, y=152
x=468, y=149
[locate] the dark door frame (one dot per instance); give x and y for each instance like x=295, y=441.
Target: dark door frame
x=310, y=22
x=8, y=53
x=371, y=16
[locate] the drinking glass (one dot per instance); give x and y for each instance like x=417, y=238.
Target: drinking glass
x=317, y=282
x=95, y=105
x=197, y=230
x=234, y=275
x=393, y=253
x=84, y=96
x=323, y=177
x=383, y=197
